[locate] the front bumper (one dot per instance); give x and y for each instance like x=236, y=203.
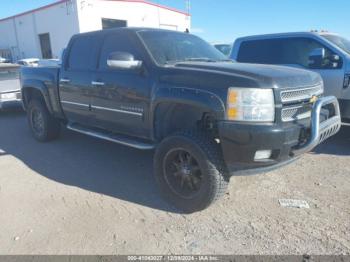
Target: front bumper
x=10, y=99
x=287, y=141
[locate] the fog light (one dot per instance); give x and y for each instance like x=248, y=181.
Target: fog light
x=263, y=154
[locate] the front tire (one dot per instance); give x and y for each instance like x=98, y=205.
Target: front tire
x=190, y=171
x=44, y=127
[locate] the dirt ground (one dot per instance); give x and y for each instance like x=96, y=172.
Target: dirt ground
x=79, y=195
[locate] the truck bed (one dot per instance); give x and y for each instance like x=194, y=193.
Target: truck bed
x=9, y=85
x=48, y=77
x=9, y=79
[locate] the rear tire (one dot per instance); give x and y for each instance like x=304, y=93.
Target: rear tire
x=44, y=127
x=190, y=171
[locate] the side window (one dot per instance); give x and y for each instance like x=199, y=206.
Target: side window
x=116, y=42
x=260, y=52
x=82, y=53
x=286, y=51
x=297, y=51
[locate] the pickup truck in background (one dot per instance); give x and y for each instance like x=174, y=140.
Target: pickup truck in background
x=10, y=89
x=207, y=117
x=224, y=48
x=325, y=53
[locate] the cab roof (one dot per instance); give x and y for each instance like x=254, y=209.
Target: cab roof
x=296, y=34
x=128, y=29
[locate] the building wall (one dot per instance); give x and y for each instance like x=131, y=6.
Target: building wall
x=61, y=21
x=27, y=45
x=20, y=34
x=136, y=14
x=8, y=36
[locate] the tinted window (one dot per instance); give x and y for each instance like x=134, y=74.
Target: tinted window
x=82, y=53
x=291, y=51
x=116, y=42
x=170, y=47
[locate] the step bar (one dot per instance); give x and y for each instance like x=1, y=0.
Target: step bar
x=118, y=139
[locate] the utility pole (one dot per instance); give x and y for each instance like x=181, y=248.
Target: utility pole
x=188, y=11
x=158, y=12
x=188, y=6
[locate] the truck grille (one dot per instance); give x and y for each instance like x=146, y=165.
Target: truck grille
x=296, y=113
x=301, y=94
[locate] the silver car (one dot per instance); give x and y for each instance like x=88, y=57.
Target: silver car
x=10, y=91
x=322, y=52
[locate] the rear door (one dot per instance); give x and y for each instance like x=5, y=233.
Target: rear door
x=75, y=78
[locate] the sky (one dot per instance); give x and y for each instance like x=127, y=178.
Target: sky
x=225, y=20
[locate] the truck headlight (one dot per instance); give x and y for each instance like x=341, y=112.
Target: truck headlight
x=250, y=104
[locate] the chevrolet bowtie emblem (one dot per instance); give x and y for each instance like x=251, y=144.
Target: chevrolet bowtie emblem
x=313, y=99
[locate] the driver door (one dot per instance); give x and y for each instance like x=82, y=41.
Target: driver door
x=120, y=99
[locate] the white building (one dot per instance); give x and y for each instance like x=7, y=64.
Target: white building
x=45, y=32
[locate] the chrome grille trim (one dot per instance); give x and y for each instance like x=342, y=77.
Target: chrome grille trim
x=295, y=113
x=301, y=94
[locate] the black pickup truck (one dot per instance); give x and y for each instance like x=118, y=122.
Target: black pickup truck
x=207, y=117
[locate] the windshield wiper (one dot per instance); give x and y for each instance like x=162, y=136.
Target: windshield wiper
x=197, y=59
x=226, y=60
x=200, y=59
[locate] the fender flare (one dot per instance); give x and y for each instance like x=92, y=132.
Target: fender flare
x=39, y=86
x=203, y=99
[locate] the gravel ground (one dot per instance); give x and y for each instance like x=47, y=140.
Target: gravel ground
x=79, y=195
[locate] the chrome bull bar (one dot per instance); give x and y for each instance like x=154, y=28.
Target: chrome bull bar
x=324, y=130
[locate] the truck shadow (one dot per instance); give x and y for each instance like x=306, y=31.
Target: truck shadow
x=84, y=162
x=337, y=145
x=99, y=166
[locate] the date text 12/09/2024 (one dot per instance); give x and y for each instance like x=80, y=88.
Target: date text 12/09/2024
x=173, y=258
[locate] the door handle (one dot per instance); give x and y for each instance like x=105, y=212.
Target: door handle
x=94, y=83
x=64, y=80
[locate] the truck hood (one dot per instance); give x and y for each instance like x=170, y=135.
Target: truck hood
x=268, y=76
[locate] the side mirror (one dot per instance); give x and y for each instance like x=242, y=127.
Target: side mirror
x=335, y=58
x=123, y=61
x=316, y=57
x=336, y=62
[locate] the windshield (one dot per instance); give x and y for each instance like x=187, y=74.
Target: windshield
x=172, y=47
x=339, y=41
